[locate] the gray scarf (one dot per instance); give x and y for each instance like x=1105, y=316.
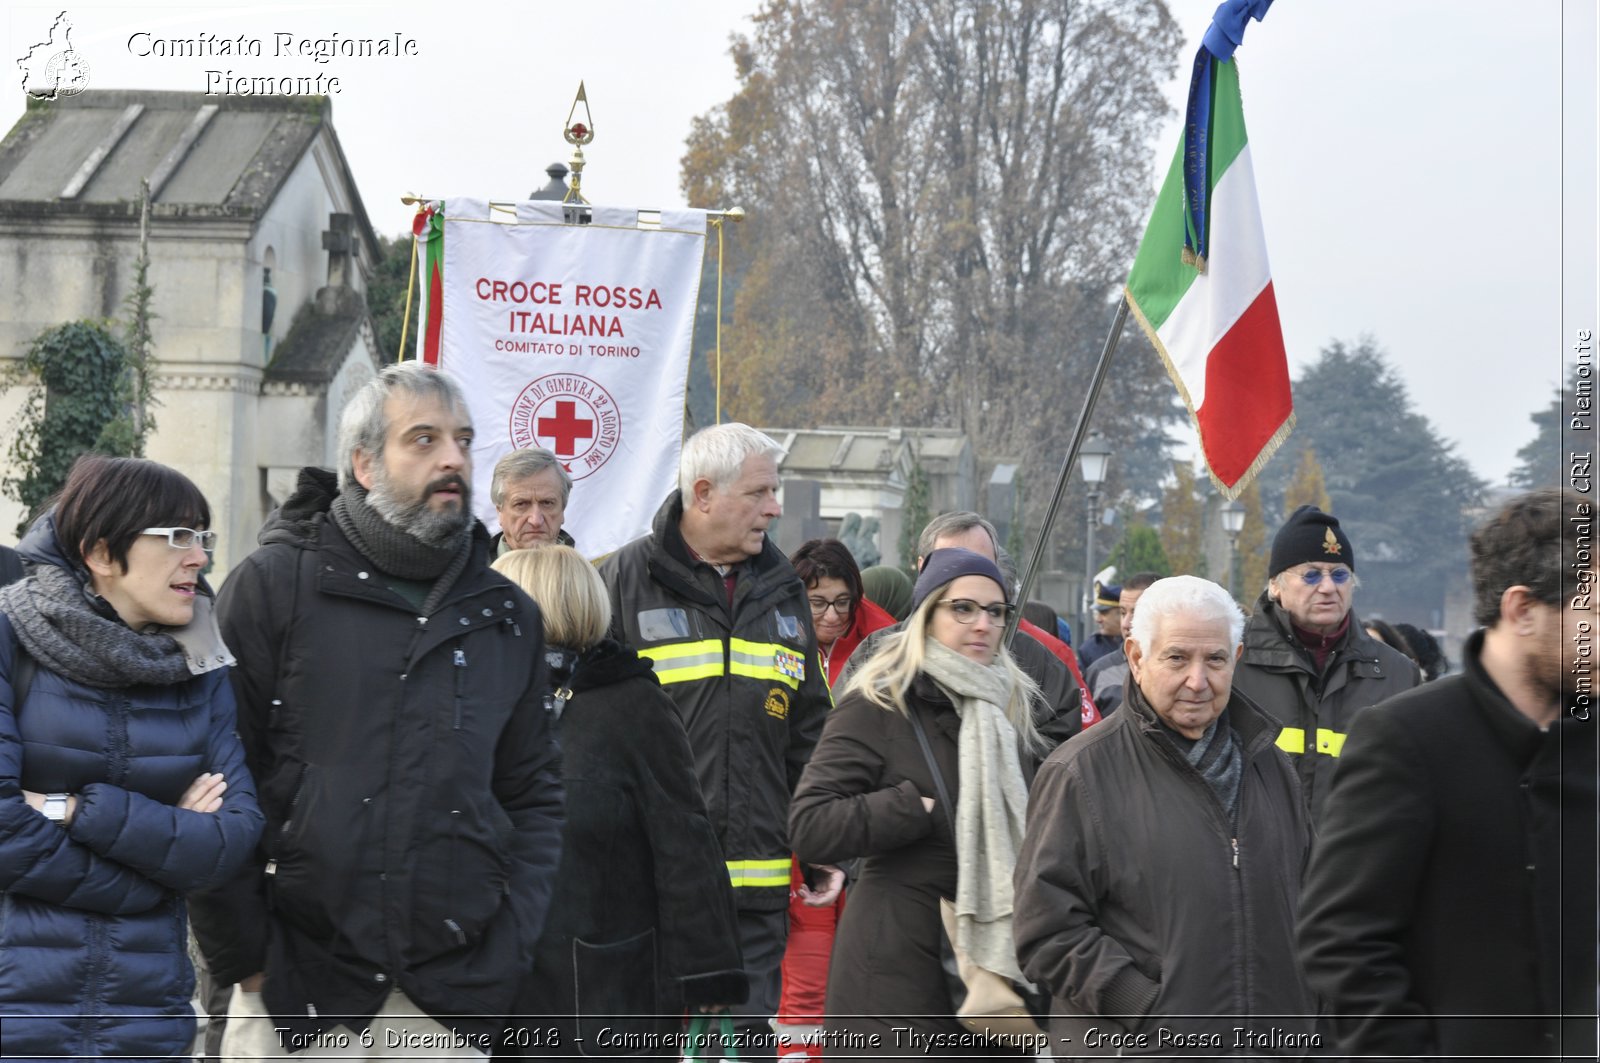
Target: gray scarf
x=1216, y=754
x=992, y=810
x=396, y=552
x=58, y=622
x=1218, y=759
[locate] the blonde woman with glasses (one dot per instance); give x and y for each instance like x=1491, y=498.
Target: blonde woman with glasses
x=871, y=793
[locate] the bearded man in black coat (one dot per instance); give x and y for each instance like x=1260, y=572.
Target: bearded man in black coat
x=1449, y=909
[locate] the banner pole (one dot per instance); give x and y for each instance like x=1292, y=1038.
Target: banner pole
x=1078, y=435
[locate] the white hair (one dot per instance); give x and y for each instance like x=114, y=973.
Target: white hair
x=718, y=454
x=1189, y=596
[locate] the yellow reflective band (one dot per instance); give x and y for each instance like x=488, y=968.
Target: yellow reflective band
x=762, y=660
x=680, y=662
x=669, y=651
x=1292, y=740
x=759, y=872
x=1329, y=742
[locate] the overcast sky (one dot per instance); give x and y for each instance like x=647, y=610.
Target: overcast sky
x=1408, y=153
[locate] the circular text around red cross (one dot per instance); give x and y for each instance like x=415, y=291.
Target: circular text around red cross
x=572, y=417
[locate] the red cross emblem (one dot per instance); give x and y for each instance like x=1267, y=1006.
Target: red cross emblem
x=573, y=416
x=566, y=428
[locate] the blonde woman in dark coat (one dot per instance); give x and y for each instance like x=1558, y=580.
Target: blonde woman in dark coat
x=869, y=793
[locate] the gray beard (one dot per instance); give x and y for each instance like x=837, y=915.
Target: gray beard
x=427, y=526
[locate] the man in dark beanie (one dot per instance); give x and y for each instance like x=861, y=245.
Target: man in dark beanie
x=391, y=701
x=1307, y=659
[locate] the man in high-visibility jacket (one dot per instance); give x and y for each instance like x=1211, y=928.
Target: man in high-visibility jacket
x=713, y=602
x=1307, y=658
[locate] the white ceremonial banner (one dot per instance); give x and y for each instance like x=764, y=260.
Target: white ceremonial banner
x=575, y=338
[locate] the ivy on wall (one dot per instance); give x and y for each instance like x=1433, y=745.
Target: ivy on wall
x=80, y=398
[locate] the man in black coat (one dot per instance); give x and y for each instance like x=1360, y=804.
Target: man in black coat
x=1449, y=907
x=391, y=702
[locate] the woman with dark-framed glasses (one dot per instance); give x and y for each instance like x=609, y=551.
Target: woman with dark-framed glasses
x=841, y=613
x=870, y=792
x=122, y=781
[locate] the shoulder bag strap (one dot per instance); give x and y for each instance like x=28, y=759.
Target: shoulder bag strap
x=945, y=804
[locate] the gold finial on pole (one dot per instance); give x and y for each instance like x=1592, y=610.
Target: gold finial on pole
x=579, y=131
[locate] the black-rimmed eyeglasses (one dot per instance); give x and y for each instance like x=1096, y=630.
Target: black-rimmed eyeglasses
x=965, y=610
x=840, y=605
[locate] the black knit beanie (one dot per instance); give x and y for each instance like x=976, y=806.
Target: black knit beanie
x=1310, y=535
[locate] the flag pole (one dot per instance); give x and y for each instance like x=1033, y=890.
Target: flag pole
x=1078, y=433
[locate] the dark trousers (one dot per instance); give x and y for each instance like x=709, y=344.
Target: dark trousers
x=762, y=936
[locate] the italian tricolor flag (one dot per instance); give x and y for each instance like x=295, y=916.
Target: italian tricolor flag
x=1202, y=290
x=427, y=228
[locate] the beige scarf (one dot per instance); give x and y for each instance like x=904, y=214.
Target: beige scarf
x=992, y=810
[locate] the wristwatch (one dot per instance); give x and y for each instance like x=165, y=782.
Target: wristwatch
x=55, y=807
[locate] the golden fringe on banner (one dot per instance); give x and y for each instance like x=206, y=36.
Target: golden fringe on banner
x=1268, y=449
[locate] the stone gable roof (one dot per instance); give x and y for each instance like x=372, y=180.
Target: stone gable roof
x=205, y=156
x=322, y=336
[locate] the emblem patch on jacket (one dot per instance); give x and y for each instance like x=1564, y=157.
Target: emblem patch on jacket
x=657, y=625
x=777, y=705
x=789, y=627
x=789, y=663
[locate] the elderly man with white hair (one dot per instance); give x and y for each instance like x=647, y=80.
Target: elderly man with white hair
x=1156, y=888
x=717, y=608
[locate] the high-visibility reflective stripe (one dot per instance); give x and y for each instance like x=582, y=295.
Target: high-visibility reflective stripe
x=1293, y=740
x=670, y=651
x=761, y=660
x=679, y=662
x=684, y=675
x=759, y=872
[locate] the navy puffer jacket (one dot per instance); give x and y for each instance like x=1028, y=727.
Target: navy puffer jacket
x=93, y=930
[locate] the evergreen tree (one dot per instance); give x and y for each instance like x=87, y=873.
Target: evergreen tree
x=386, y=297
x=914, y=517
x=1251, y=578
x=1309, y=486
x=1139, y=550
x=1399, y=489
x=1539, y=460
x=1183, y=519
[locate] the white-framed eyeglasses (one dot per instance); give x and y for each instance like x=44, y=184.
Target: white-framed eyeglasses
x=185, y=538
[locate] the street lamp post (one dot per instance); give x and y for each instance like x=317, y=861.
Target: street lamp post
x=1093, y=459
x=1233, y=524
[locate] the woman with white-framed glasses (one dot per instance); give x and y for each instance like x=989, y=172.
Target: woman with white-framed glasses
x=872, y=791
x=122, y=781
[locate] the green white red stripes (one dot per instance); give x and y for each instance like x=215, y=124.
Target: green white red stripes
x=428, y=230
x=1215, y=321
